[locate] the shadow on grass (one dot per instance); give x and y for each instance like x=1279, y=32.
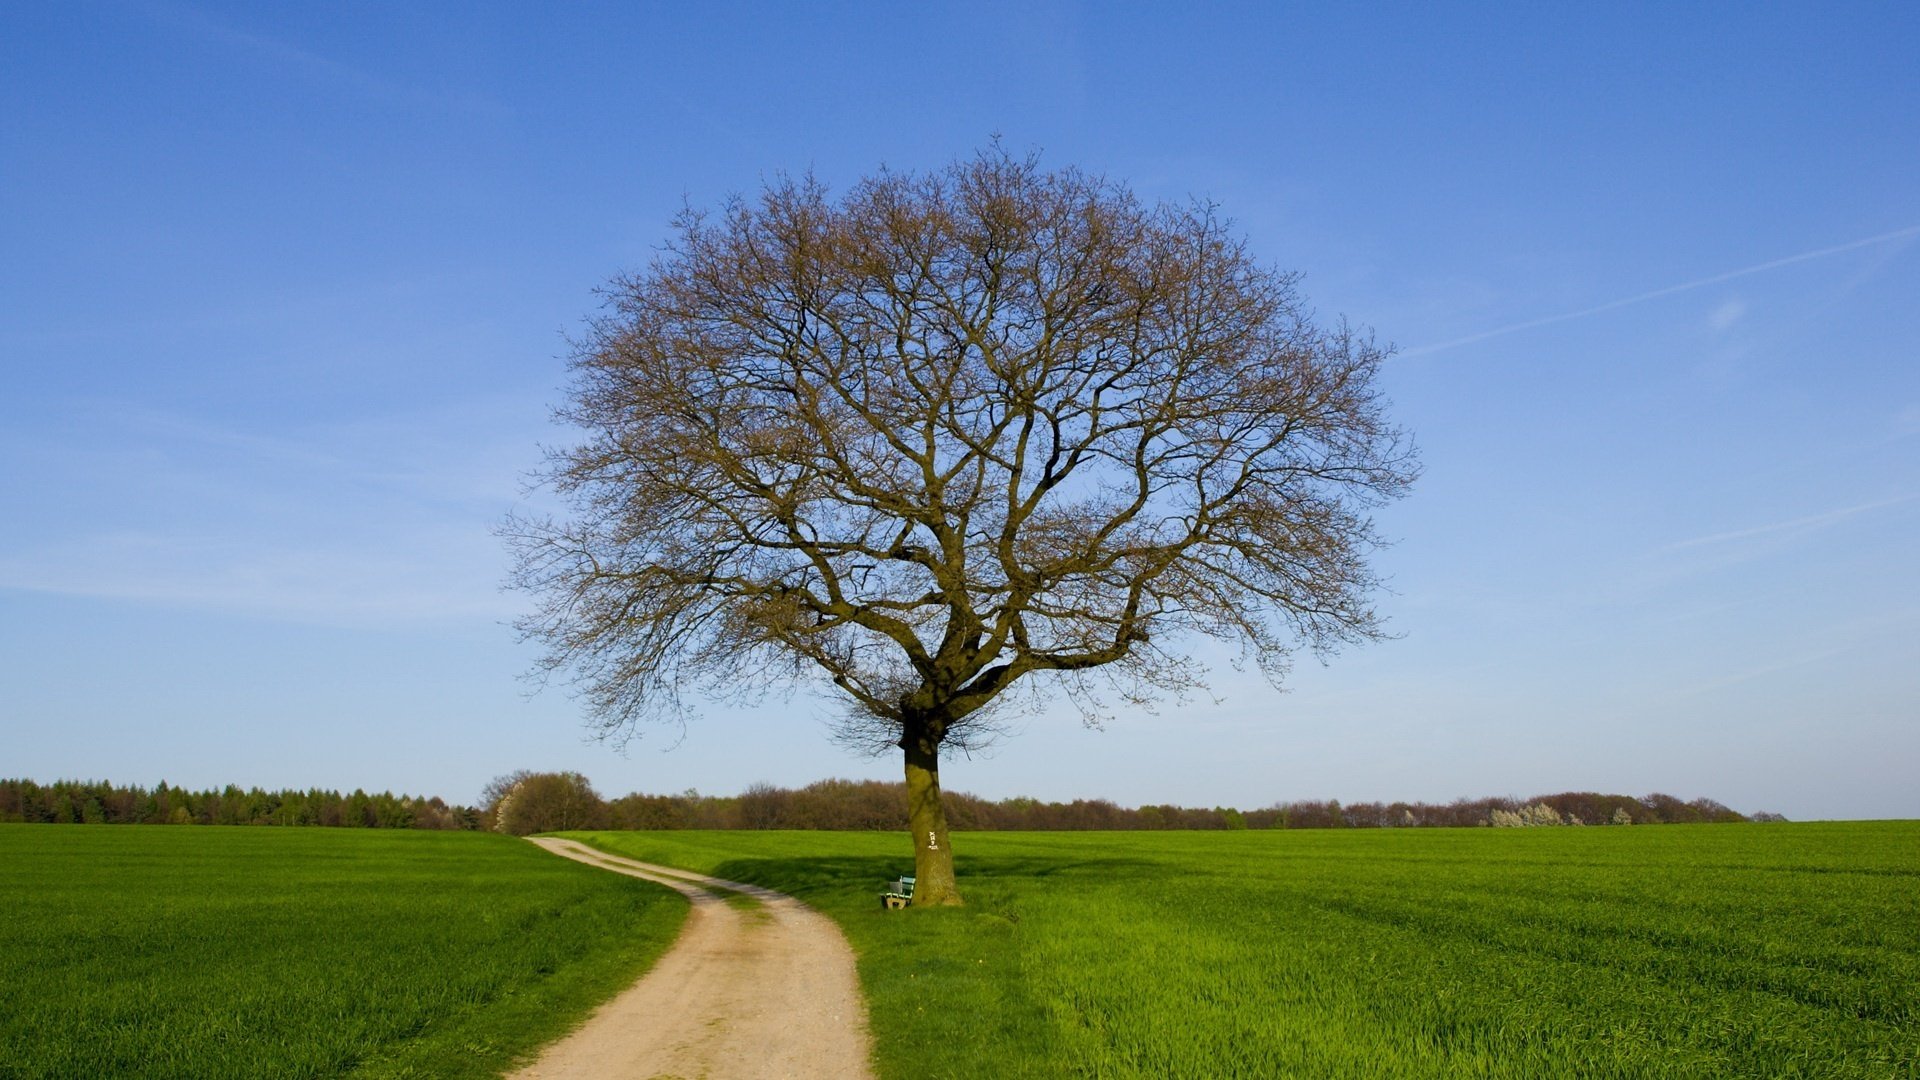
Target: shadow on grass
x=834, y=879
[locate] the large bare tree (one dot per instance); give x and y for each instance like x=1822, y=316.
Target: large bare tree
x=950, y=441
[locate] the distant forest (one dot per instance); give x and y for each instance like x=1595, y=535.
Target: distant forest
x=828, y=804
x=100, y=803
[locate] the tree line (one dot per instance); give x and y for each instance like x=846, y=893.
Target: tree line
x=98, y=802
x=526, y=802
x=547, y=801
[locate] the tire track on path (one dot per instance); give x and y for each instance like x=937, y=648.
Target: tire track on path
x=767, y=991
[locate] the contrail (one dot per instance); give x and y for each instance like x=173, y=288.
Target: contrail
x=1811, y=520
x=1757, y=268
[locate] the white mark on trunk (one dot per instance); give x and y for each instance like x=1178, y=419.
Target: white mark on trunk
x=933, y=842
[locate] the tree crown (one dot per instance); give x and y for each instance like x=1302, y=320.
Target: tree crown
x=949, y=431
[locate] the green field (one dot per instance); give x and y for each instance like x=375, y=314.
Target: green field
x=1657, y=951
x=207, y=952
x=1723, y=950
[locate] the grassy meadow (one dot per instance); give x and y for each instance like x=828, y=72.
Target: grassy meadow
x=211, y=952
x=1657, y=951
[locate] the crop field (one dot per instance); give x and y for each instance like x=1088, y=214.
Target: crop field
x=206, y=952
x=1656, y=951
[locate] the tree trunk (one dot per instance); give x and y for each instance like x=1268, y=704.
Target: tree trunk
x=927, y=820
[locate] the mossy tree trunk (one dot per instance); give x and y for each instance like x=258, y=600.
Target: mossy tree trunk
x=927, y=816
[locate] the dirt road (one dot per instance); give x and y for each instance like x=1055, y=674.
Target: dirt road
x=765, y=990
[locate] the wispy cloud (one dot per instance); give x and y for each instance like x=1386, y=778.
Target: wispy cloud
x=1791, y=525
x=315, y=66
x=1907, y=233
x=1850, y=638
x=373, y=521
x=1723, y=318
x=438, y=576
x=1761, y=671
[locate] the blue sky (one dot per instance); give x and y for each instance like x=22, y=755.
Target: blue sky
x=286, y=289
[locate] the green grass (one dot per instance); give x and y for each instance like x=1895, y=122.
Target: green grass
x=206, y=952
x=1660, y=951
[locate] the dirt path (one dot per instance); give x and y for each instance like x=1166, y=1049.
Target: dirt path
x=745, y=992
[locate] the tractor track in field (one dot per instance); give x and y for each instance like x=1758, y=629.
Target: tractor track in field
x=761, y=991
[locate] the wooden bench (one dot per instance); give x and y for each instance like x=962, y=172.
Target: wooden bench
x=898, y=895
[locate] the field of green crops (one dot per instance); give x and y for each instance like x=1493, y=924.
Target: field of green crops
x=1652, y=951
x=206, y=952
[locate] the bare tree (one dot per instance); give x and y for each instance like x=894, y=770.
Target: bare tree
x=945, y=433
